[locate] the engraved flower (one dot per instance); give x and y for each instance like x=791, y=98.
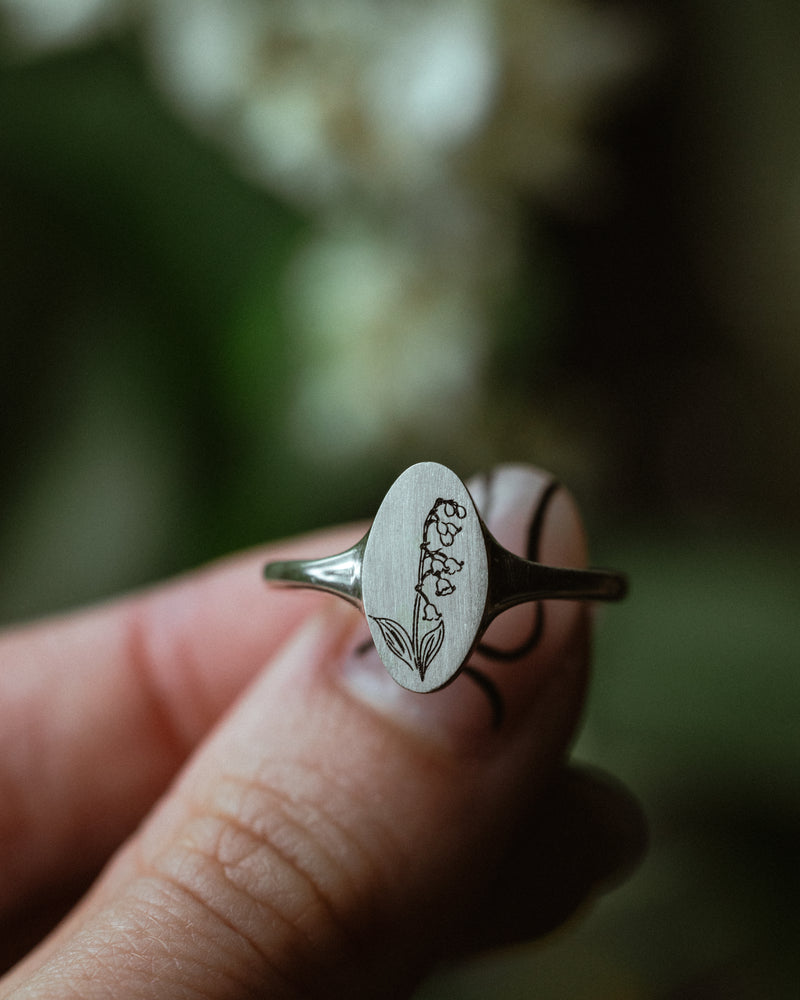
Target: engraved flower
x=453, y=509
x=444, y=527
x=452, y=566
x=444, y=587
x=447, y=532
x=430, y=613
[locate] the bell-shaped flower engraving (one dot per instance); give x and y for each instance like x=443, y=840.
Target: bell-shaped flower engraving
x=434, y=580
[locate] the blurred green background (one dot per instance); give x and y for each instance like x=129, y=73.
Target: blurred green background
x=166, y=398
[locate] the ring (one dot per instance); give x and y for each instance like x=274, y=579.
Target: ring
x=430, y=578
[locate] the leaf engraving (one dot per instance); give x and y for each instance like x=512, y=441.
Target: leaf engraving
x=429, y=646
x=396, y=638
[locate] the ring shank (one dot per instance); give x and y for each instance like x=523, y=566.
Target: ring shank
x=338, y=574
x=513, y=580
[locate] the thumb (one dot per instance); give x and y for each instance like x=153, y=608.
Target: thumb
x=336, y=833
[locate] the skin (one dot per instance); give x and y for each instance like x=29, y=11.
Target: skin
x=258, y=810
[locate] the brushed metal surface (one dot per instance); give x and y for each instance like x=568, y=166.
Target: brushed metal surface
x=424, y=579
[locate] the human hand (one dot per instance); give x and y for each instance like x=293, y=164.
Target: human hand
x=281, y=818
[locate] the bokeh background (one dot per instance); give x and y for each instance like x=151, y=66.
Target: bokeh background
x=257, y=256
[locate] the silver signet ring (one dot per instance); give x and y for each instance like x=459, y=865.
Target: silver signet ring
x=430, y=578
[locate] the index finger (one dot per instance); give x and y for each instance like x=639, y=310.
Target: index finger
x=99, y=709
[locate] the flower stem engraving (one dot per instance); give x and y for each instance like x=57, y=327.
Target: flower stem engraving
x=434, y=580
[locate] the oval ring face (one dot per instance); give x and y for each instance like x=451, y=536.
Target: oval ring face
x=424, y=579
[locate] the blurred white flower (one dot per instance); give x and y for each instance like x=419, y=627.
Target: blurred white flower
x=408, y=129
x=391, y=347
x=433, y=79
x=205, y=54
x=46, y=24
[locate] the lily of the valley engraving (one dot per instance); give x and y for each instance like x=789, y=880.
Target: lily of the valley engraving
x=434, y=580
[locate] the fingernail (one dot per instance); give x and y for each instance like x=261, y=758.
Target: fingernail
x=531, y=515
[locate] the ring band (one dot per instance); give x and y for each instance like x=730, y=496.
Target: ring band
x=430, y=578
